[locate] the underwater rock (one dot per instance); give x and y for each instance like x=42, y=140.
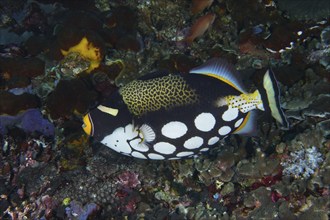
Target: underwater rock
x=289, y=75
x=305, y=9
x=73, y=64
x=80, y=19
x=228, y=188
x=259, y=167
x=12, y=104
x=315, y=208
x=320, y=51
x=103, y=84
x=35, y=19
x=70, y=96
x=324, y=171
x=219, y=170
x=17, y=72
x=36, y=44
x=282, y=35
x=199, y=211
x=244, y=12
x=305, y=92
x=9, y=37
x=259, y=204
x=121, y=32
x=325, y=37
x=177, y=63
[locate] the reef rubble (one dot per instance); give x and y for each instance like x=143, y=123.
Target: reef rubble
x=59, y=59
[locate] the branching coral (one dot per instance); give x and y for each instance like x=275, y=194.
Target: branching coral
x=302, y=163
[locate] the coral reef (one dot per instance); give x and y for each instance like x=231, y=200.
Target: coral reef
x=305, y=9
x=59, y=59
x=302, y=163
x=12, y=104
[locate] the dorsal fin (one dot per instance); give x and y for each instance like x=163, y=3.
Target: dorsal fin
x=222, y=70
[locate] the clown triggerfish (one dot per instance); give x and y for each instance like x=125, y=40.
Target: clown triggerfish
x=177, y=116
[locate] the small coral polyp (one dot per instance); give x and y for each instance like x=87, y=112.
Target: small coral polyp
x=88, y=51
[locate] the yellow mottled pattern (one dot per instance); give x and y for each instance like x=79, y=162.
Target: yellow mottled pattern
x=151, y=95
x=245, y=102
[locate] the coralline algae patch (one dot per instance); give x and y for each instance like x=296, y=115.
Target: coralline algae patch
x=60, y=59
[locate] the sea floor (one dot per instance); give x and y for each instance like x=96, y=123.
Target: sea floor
x=60, y=59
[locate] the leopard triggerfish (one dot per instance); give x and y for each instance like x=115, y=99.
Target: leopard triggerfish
x=173, y=116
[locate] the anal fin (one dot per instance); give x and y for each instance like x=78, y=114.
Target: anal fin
x=249, y=125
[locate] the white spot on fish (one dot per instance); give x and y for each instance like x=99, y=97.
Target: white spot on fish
x=204, y=149
x=185, y=153
x=224, y=130
x=118, y=139
x=238, y=123
x=193, y=143
x=155, y=156
x=174, y=129
x=205, y=122
x=213, y=140
x=164, y=148
x=230, y=114
x=138, y=155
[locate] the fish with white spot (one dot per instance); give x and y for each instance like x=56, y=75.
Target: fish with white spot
x=176, y=116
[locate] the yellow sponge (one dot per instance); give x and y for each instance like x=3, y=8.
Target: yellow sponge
x=88, y=51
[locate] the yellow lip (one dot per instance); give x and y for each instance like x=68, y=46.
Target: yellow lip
x=87, y=126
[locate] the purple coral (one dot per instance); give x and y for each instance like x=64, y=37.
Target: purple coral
x=30, y=121
x=77, y=211
x=33, y=121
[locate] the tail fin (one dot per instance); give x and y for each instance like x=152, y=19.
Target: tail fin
x=272, y=98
